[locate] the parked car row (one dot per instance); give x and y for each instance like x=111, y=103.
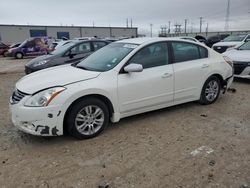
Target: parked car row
x=221, y=42
x=231, y=42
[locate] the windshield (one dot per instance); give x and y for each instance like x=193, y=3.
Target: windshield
x=15, y=45
x=245, y=46
x=24, y=43
x=62, y=49
x=234, y=38
x=107, y=57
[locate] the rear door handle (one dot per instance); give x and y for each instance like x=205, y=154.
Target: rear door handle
x=166, y=75
x=205, y=66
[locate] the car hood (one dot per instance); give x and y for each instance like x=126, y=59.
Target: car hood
x=227, y=43
x=56, y=76
x=40, y=58
x=238, y=55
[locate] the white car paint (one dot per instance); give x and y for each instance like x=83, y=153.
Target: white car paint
x=129, y=94
x=231, y=44
x=240, y=57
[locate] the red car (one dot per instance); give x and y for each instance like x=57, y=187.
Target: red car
x=3, y=49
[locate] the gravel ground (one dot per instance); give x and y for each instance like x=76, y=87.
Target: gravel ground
x=188, y=145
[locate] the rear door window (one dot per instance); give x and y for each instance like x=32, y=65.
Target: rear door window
x=81, y=48
x=98, y=45
x=203, y=52
x=187, y=52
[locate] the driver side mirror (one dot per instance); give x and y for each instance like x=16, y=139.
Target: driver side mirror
x=133, y=68
x=71, y=55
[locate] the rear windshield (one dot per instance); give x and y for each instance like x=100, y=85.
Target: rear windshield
x=235, y=38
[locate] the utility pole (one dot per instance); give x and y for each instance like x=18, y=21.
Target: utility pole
x=192, y=27
x=127, y=22
x=185, y=27
x=169, y=24
x=201, y=24
x=227, y=16
x=131, y=22
x=151, y=30
x=207, y=30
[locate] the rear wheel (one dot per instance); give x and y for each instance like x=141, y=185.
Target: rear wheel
x=210, y=91
x=87, y=118
x=19, y=55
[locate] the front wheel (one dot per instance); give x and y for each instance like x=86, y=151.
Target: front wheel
x=210, y=91
x=5, y=54
x=87, y=118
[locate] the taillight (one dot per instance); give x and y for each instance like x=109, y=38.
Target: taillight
x=228, y=60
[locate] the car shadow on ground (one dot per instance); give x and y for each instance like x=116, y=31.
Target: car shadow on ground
x=242, y=80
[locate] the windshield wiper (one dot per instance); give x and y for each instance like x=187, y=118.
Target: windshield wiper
x=85, y=68
x=80, y=67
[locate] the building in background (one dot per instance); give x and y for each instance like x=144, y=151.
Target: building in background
x=18, y=33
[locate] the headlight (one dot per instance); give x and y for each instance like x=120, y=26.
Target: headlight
x=43, y=98
x=39, y=63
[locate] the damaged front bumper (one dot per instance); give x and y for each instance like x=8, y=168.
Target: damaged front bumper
x=41, y=121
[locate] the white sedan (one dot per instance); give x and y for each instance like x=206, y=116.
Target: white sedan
x=241, y=59
x=124, y=78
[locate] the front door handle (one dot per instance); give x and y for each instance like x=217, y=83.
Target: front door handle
x=166, y=75
x=205, y=66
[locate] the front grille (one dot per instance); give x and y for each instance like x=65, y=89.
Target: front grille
x=239, y=67
x=220, y=49
x=17, y=96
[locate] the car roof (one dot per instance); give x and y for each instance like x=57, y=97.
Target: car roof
x=142, y=40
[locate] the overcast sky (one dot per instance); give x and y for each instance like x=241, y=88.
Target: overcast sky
x=115, y=12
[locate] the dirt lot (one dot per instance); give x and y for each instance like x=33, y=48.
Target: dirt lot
x=183, y=146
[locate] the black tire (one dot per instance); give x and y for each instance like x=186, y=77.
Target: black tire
x=5, y=54
x=204, y=97
x=76, y=108
x=19, y=55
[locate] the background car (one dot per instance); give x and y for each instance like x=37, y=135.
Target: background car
x=201, y=39
x=71, y=52
x=57, y=44
x=214, y=39
x=122, y=79
x=30, y=47
x=15, y=45
x=3, y=49
x=241, y=59
x=189, y=38
x=230, y=42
